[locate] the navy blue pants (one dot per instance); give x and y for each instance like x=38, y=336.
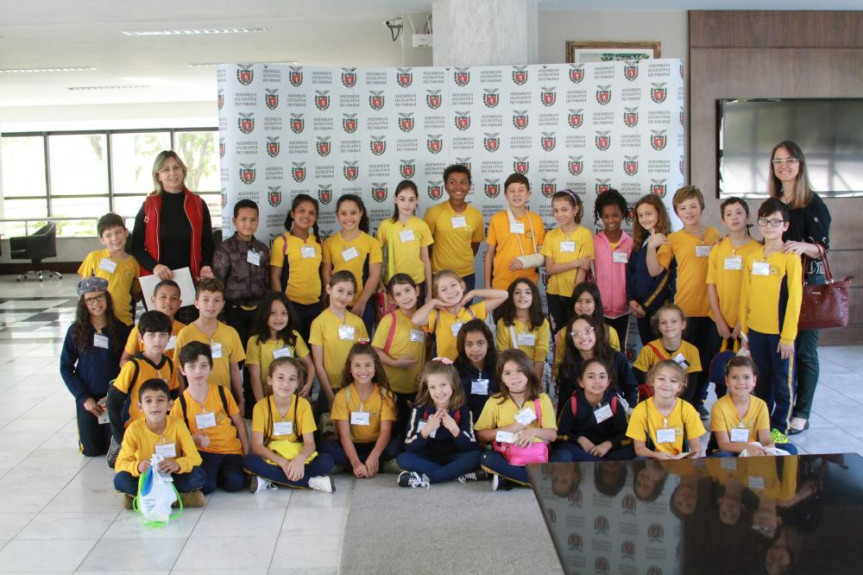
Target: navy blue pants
x=494, y=462
x=184, y=482
x=624, y=453
x=560, y=310
x=257, y=465
x=700, y=333
x=223, y=470
x=333, y=447
x=440, y=468
x=306, y=313
x=776, y=378
x=93, y=438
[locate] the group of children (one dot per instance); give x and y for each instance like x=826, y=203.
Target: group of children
x=382, y=400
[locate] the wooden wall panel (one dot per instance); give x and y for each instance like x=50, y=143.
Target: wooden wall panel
x=777, y=55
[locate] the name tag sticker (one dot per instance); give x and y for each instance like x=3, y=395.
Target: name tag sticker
x=172, y=343
x=761, y=268
x=459, y=222
x=505, y=437
x=666, y=435
x=417, y=335
x=167, y=450
x=602, y=413
x=360, y=418
x=406, y=236
x=681, y=361
x=282, y=352
x=567, y=247
x=456, y=327
x=734, y=263
x=107, y=265
x=100, y=340
x=103, y=419
x=619, y=257
x=516, y=228
x=347, y=332
x=525, y=416
x=253, y=258
x=756, y=482
x=702, y=251
x=728, y=463
x=216, y=349
x=307, y=252
x=350, y=254
x=479, y=387
x=205, y=420
x=528, y=339
x=740, y=435
x=283, y=428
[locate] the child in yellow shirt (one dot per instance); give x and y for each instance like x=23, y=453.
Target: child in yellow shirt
x=522, y=324
x=406, y=239
x=166, y=299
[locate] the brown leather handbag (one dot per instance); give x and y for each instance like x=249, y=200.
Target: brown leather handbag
x=824, y=306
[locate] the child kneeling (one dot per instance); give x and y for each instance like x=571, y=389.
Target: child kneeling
x=440, y=444
x=283, y=440
x=167, y=436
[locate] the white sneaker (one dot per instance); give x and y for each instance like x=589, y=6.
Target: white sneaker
x=323, y=483
x=259, y=484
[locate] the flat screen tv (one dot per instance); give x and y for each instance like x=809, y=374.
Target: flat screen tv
x=829, y=131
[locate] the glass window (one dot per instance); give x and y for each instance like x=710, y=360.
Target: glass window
x=200, y=154
x=22, y=210
x=132, y=157
x=78, y=166
x=128, y=206
x=79, y=207
x=23, y=161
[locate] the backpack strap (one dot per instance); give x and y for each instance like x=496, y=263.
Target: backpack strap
x=286, y=263
x=183, y=407
x=513, y=338
x=538, y=409
x=391, y=333
x=574, y=403
x=658, y=353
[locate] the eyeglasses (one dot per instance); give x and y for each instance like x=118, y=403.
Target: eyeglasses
x=95, y=299
x=780, y=161
x=764, y=222
x=583, y=333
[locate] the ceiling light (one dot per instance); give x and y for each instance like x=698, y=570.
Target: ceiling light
x=123, y=87
x=48, y=70
x=193, y=31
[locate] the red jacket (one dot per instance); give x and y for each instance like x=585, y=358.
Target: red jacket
x=194, y=207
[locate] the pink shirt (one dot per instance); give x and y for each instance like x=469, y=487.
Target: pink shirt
x=610, y=272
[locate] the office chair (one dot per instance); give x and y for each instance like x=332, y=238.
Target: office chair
x=35, y=247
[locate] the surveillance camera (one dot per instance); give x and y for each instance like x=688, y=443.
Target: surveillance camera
x=393, y=23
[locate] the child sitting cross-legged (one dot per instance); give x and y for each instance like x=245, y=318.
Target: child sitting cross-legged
x=167, y=436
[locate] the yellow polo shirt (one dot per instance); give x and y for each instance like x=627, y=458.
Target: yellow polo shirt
x=139, y=444
x=693, y=258
x=496, y=414
x=380, y=407
x=563, y=248
x=304, y=262
x=223, y=435
x=453, y=235
x=352, y=256
x=403, y=242
x=408, y=341
x=325, y=333
x=533, y=342
x=509, y=245
x=765, y=282
x=446, y=326
x=303, y=418
x=134, y=344
x=647, y=419
x=129, y=382
x=725, y=271
x=225, y=343
x=121, y=279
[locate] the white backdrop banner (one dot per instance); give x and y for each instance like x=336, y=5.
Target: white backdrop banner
x=286, y=130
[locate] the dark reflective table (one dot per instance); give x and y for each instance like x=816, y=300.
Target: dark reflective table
x=795, y=514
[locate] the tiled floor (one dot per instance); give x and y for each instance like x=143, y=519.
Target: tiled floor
x=59, y=512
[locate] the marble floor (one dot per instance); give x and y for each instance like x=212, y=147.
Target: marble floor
x=59, y=512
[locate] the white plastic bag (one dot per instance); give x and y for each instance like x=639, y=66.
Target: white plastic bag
x=156, y=494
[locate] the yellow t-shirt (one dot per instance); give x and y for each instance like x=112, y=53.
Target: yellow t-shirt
x=139, y=444
x=724, y=417
x=560, y=344
x=407, y=240
x=534, y=343
x=496, y=414
x=445, y=326
x=225, y=345
x=509, y=245
x=121, y=276
x=647, y=419
x=221, y=431
x=336, y=346
x=354, y=256
x=380, y=407
x=128, y=381
x=687, y=353
x=693, y=256
x=725, y=271
x=266, y=414
x=263, y=354
x=453, y=235
x=134, y=344
x=761, y=301
x=408, y=341
x=563, y=248
x=304, y=261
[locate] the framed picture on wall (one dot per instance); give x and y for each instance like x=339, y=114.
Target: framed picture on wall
x=589, y=52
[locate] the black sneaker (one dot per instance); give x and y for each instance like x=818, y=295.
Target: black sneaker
x=479, y=475
x=412, y=479
x=113, y=452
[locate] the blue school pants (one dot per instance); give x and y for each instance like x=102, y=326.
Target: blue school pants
x=776, y=378
x=257, y=465
x=184, y=482
x=494, y=462
x=333, y=447
x=576, y=453
x=222, y=469
x=440, y=468
x=93, y=437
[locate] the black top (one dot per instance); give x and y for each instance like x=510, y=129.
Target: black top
x=810, y=224
x=175, y=231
